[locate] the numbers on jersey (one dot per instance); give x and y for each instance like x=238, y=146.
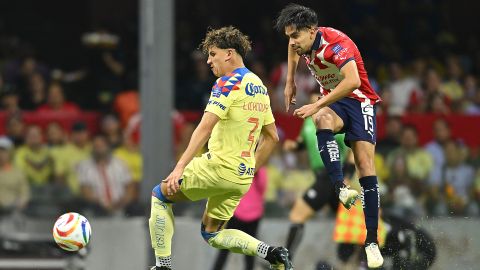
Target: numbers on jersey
x=251, y=138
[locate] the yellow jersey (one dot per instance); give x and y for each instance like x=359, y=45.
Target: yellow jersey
x=242, y=103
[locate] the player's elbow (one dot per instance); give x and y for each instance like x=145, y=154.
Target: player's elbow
x=270, y=133
x=274, y=138
x=356, y=83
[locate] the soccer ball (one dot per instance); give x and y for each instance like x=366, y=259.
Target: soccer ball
x=72, y=231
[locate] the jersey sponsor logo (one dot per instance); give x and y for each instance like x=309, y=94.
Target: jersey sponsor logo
x=216, y=103
x=252, y=90
x=255, y=106
x=327, y=79
x=244, y=170
x=332, y=148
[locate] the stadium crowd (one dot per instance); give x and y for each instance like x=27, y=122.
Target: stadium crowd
x=54, y=158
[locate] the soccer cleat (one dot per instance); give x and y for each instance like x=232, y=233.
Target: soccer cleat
x=347, y=196
x=374, y=257
x=282, y=260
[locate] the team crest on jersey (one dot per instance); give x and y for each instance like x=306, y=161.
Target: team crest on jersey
x=337, y=48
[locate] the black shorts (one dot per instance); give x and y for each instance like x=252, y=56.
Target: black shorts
x=359, y=120
x=321, y=193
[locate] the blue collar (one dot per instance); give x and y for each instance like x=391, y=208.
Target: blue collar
x=317, y=42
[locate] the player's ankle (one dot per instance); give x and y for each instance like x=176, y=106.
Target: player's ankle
x=270, y=256
x=338, y=185
x=371, y=237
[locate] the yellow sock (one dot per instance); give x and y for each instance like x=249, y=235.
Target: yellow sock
x=161, y=224
x=238, y=242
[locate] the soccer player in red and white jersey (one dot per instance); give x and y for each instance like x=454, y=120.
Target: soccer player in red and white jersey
x=347, y=105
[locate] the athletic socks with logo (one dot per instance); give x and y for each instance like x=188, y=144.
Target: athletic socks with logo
x=330, y=154
x=371, y=203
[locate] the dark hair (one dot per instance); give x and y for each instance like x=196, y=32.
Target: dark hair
x=227, y=37
x=296, y=15
x=411, y=127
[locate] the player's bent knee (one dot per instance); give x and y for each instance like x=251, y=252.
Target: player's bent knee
x=157, y=192
x=324, y=121
x=300, y=214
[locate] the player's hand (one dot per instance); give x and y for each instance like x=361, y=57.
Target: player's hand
x=172, y=181
x=307, y=110
x=290, y=94
x=290, y=145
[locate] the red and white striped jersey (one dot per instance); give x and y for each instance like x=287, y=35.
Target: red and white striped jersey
x=331, y=50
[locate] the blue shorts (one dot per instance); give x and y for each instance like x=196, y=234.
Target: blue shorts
x=359, y=120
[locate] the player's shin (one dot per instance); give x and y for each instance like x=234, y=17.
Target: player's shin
x=295, y=235
x=371, y=203
x=161, y=224
x=330, y=155
x=239, y=242
x=235, y=241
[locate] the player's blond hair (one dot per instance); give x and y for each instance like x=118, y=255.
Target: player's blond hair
x=227, y=37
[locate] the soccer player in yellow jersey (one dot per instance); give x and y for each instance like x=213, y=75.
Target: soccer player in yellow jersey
x=240, y=129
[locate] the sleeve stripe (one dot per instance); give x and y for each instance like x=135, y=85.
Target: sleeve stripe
x=345, y=62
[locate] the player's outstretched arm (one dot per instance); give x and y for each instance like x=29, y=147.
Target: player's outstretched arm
x=199, y=137
x=265, y=147
x=290, y=88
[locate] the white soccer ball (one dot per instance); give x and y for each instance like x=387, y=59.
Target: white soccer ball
x=72, y=231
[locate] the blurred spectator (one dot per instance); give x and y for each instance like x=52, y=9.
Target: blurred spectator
x=401, y=87
x=451, y=87
x=68, y=156
x=470, y=84
x=34, y=158
x=197, y=86
x=126, y=104
x=417, y=163
x=15, y=129
x=441, y=133
x=110, y=128
x=55, y=135
x=106, y=182
x=10, y=100
x=436, y=101
x=472, y=104
x=393, y=130
x=105, y=68
x=14, y=188
x=432, y=100
x=35, y=93
x=130, y=154
x=19, y=72
x=56, y=101
x=304, y=81
x=458, y=179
